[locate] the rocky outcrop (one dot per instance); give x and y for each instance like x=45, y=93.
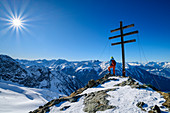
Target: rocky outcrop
x=11, y=70
x=141, y=105
x=167, y=98
x=77, y=94
x=131, y=82
x=155, y=109
x=96, y=101
x=46, y=107
x=93, y=83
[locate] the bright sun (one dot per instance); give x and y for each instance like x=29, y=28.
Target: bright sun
x=16, y=22
x=16, y=19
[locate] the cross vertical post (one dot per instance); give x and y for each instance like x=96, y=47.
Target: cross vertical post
x=123, y=51
x=123, y=42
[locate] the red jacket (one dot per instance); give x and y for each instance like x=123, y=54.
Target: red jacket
x=112, y=62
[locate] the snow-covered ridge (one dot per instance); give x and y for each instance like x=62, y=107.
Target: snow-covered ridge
x=123, y=95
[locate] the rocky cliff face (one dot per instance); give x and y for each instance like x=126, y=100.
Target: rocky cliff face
x=37, y=76
x=11, y=70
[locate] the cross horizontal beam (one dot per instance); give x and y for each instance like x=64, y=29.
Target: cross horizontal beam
x=132, y=25
x=130, y=33
x=128, y=41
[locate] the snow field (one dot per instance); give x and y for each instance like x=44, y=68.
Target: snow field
x=75, y=107
x=18, y=99
x=124, y=98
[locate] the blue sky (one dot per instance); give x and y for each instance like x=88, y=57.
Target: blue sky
x=79, y=29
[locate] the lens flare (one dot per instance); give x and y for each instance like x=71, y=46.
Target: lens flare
x=16, y=22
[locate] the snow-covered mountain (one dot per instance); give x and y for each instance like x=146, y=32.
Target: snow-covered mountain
x=37, y=76
x=72, y=75
x=19, y=99
x=110, y=95
x=50, y=79
x=154, y=73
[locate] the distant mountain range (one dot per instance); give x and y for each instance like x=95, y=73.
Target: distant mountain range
x=154, y=73
x=37, y=76
x=67, y=76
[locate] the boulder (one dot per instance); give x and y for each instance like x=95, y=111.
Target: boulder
x=156, y=109
x=91, y=83
x=96, y=101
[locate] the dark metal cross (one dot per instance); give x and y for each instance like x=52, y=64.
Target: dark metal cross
x=123, y=42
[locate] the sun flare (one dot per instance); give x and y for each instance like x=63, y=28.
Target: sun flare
x=16, y=22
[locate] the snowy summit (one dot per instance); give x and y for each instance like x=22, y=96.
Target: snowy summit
x=110, y=95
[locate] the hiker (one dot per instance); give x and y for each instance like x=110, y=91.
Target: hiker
x=112, y=66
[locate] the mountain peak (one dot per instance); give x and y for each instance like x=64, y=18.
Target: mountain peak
x=110, y=94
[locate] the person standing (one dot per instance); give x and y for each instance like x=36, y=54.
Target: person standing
x=112, y=66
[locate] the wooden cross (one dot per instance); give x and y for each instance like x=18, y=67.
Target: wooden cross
x=123, y=42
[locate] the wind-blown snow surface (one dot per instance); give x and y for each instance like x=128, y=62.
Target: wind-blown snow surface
x=124, y=98
x=15, y=98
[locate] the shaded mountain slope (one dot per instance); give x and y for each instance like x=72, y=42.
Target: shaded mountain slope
x=37, y=76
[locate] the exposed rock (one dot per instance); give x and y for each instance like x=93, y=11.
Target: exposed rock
x=151, y=111
x=107, y=76
x=131, y=83
x=91, y=83
x=96, y=101
x=100, y=104
x=136, y=83
x=78, y=92
x=141, y=105
x=74, y=99
x=167, y=98
x=40, y=107
x=155, y=109
x=45, y=108
x=152, y=87
x=64, y=108
x=122, y=84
